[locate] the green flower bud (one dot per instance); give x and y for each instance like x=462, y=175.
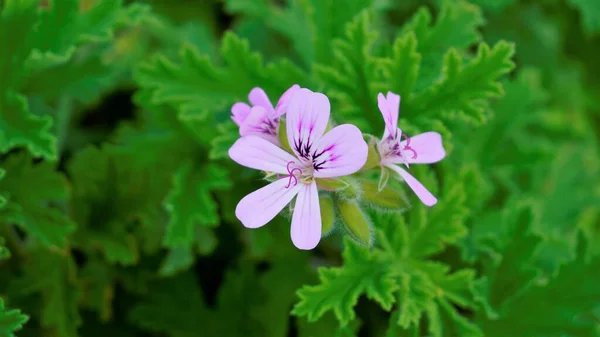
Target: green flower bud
x=332, y=184
x=355, y=221
x=387, y=197
x=327, y=214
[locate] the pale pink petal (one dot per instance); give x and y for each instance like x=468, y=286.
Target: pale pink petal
x=239, y=112
x=258, y=97
x=257, y=153
x=389, y=107
x=306, y=221
x=258, y=123
x=341, y=151
x=254, y=121
x=427, y=146
x=261, y=206
x=284, y=100
x=306, y=120
x=424, y=195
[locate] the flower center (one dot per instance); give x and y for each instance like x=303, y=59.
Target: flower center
x=392, y=147
x=297, y=174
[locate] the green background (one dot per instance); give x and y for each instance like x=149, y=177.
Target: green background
x=117, y=195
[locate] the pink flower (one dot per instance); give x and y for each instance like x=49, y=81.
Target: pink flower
x=425, y=148
x=339, y=152
x=261, y=119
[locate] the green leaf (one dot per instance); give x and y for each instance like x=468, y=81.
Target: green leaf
x=18, y=127
x=329, y=23
x=16, y=21
x=54, y=275
x=516, y=269
x=178, y=321
x=404, y=66
x=99, y=288
x=310, y=25
x=190, y=202
x=562, y=306
x=328, y=326
x=64, y=25
x=432, y=229
x=464, y=90
x=31, y=190
x=178, y=259
x=340, y=287
x=197, y=88
x=352, y=75
x=590, y=12
x=10, y=320
x=456, y=27
x=112, y=201
x=227, y=134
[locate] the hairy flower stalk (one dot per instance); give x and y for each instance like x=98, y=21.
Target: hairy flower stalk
x=339, y=152
x=424, y=148
x=261, y=119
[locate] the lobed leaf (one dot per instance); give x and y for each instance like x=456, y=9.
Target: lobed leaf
x=197, y=88
x=31, y=191
x=10, y=320
x=340, y=287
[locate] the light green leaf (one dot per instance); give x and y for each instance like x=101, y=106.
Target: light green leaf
x=352, y=75
x=404, y=66
x=64, y=25
x=464, y=90
x=10, y=320
x=30, y=188
x=18, y=127
x=456, y=26
x=227, y=134
x=310, y=25
x=340, y=287
x=197, y=88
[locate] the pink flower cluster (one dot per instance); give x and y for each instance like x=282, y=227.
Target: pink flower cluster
x=315, y=154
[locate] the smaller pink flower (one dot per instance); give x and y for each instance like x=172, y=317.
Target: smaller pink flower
x=339, y=152
x=424, y=148
x=261, y=118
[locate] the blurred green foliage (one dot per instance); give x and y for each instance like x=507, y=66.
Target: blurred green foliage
x=117, y=196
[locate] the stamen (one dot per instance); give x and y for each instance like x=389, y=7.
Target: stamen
x=408, y=148
x=291, y=174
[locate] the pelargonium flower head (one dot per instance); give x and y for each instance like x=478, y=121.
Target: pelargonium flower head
x=339, y=152
x=424, y=148
x=261, y=119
